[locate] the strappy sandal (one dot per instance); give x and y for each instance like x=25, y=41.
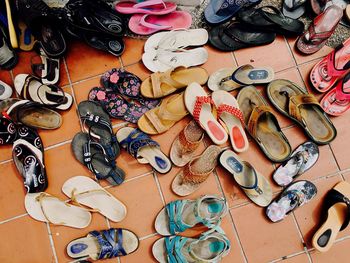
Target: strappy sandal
x=159, y=85
x=337, y=101
x=196, y=172
x=330, y=69
x=295, y=195
x=254, y=185
x=262, y=125
x=302, y=159
x=294, y=8
x=110, y=243
x=186, y=143
x=29, y=161
x=144, y=149
x=85, y=191
x=94, y=156
x=200, y=106
x=31, y=88
x=337, y=210
x=177, y=216
x=47, y=208
x=321, y=28
x=209, y=247
x=303, y=108
x=162, y=118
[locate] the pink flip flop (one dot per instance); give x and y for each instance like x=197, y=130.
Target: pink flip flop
x=152, y=7
x=337, y=101
x=149, y=24
x=326, y=72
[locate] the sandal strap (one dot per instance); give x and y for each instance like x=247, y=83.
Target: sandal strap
x=174, y=211
x=40, y=199
x=236, y=112
x=297, y=101
x=146, y=4
x=334, y=197
x=200, y=100
x=75, y=195
x=186, y=145
x=255, y=189
x=256, y=114
x=332, y=71
x=212, y=222
x=174, y=246
x=340, y=94
x=158, y=78
x=317, y=38
x=191, y=177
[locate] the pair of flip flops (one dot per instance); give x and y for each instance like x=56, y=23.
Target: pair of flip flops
x=229, y=79
x=180, y=215
x=199, y=104
x=120, y=95
x=169, y=50
x=152, y=16
x=97, y=147
x=83, y=192
x=143, y=149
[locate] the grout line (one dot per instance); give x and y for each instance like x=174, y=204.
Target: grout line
x=290, y=51
x=13, y=218
x=86, y=79
x=129, y=180
x=159, y=188
x=6, y=161
x=52, y=244
x=148, y=236
x=237, y=237
x=299, y=232
x=121, y=62
x=287, y=257
x=57, y=145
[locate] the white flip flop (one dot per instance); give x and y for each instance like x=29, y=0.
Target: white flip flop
x=228, y=111
x=5, y=91
x=47, y=208
x=85, y=191
x=162, y=60
x=198, y=103
x=176, y=39
x=221, y=80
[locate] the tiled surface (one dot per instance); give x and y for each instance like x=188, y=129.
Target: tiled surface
x=253, y=237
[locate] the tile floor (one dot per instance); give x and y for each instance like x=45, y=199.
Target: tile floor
x=253, y=237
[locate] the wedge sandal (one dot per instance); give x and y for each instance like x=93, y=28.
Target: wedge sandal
x=144, y=149
x=160, y=119
x=186, y=143
x=303, y=108
x=159, y=85
x=336, y=208
x=110, y=243
x=177, y=216
x=254, y=185
x=196, y=172
x=262, y=125
x=295, y=195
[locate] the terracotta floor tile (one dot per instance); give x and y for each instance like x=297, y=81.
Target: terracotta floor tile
x=143, y=202
x=27, y=240
x=300, y=58
x=308, y=216
x=262, y=240
x=346, y=176
x=325, y=165
x=84, y=61
x=139, y=70
x=82, y=89
x=144, y=252
x=218, y=59
x=275, y=55
x=5, y=76
x=62, y=235
x=338, y=253
x=301, y=258
x=133, y=51
x=6, y=152
x=12, y=192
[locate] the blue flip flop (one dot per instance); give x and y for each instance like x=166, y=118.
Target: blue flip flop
x=220, y=11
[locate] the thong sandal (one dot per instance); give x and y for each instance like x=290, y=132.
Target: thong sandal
x=262, y=125
x=254, y=185
x=200, y=106
x=211, y=246
x=94, y=156
x=85, y=191
x=295, y=195
x=302, y=159
x=294, y=8
x=196, y=172
x=162, y=118
x=177, y=216
x=159, y=85
x=321, y=28
x=186, y=143
x=144, y=149
x=229, y=113
x=303, y=108
x=31, y=88
x=337, y=209
x=248, y=75
x=221, y=80
x=110, y=243
x=330, y=69
x=47, y=208
x=337, y=101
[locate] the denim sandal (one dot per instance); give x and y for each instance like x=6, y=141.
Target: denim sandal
x=110, y=243
x=211, y=246
x=177, y=216
x=144, y=149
